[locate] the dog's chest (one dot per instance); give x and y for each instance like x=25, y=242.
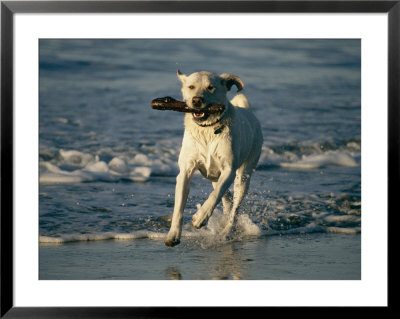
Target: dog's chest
x=210, y=161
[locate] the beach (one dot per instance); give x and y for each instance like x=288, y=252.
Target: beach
x=291, y=257
x=108, y=162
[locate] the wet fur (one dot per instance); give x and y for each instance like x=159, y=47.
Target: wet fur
x=224, y=147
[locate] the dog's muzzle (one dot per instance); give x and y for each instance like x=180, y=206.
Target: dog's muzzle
x=197, y=102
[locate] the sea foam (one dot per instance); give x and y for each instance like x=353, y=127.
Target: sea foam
x=73, y=166
x=322, y=160
x=76, y=167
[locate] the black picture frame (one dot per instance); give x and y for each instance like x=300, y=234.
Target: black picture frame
x=9, y=8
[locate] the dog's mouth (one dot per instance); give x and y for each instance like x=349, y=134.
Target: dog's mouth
x=199, y=115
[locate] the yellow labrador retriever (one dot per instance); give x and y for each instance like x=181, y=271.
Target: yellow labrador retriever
x=224, y=147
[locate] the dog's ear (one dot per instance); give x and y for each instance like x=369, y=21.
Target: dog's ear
x=182, y=77
x=230, y=79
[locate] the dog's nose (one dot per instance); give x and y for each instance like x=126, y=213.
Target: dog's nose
x=197, y=101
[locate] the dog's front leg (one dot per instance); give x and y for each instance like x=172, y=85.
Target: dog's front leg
x=204, y=213
x=181, y=195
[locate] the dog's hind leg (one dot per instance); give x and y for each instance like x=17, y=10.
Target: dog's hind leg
x=201, y=217
x=240, y=187
x=227, y=200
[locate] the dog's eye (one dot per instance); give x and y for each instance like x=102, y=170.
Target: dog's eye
x=211, y=88
x=191, y=87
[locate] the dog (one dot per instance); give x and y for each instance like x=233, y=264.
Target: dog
x=225, y=148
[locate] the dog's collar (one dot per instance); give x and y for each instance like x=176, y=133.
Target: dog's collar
x=206, y=125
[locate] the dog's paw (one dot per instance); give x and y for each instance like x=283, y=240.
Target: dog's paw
x=172, y=242
x=198, y=222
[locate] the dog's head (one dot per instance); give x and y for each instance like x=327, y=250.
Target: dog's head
x=202, y=89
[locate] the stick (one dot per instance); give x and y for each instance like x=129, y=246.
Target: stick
x=170, y=104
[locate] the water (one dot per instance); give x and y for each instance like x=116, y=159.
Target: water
x=108, y=162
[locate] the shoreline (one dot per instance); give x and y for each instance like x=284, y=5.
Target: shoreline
x=312, y=256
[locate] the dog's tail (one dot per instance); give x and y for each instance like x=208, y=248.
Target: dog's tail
x=240, y=100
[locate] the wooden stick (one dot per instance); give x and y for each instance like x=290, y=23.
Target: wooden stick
x=170, y=104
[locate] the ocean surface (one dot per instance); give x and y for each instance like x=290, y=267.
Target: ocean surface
x=108, y=162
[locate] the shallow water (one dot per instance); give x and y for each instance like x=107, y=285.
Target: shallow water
x=108, y=162
x=316, y=256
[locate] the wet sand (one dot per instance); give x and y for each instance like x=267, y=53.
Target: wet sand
x=315, y=256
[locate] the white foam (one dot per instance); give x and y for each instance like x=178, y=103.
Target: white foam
x=160, y=159
x=100, y=237
x=97, y=167
x=118, y=165
x=52, y=174
x=311, y=155
x=322, y=160
x=247, y=227
x=314, y=228
x=140, y=174
x=47, y=178
x=141, y=159
x=77, y=158
x=207, y=236
x=343, y=219
x=90, y=168
x=244, y=227
x=343, y=230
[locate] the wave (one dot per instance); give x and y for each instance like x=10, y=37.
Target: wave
x=73, y=166
x=209, y=235
x=322, y=160
x=305, y=156
x=160, y=159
